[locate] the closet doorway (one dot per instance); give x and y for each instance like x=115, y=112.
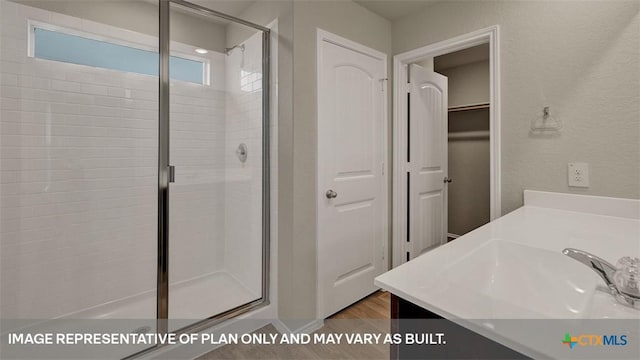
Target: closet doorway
x=446, y=142
x=468, y=151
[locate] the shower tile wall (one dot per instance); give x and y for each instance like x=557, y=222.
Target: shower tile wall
x=243, y=211
x=197, y=198
x=78, y=180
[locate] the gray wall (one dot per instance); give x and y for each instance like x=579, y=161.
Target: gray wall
x=468, y=84
x=469, y=193
x=347, y=19
x=579, y=58
x=139, y=16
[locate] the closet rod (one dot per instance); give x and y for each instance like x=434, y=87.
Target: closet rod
x=469, y=107
x=469, y=135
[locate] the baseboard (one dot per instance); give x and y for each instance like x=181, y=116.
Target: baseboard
x=280, y=326
x=304, y=329
x=243, y=324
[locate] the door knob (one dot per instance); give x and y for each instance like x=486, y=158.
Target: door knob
x=447, y=180
x=331, y=194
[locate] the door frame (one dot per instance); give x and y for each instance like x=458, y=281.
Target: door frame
x=489, y=35
x=322, y=36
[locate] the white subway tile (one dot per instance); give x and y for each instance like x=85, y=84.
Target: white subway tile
x=72, y=98
x=109, y=101
x=8, y=80
x=80, y=74
x=11, y=67
x=79, y=169
x=118, y=92
x=8, y=13
x=68, y=86
x=94, y=89
x=34, y=82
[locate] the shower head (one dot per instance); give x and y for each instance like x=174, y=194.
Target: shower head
x=229, y=49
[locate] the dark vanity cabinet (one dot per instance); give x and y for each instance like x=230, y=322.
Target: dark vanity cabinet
x=429, y=336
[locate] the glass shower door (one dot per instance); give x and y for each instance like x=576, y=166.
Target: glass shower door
x=85, y=141
x=216, y=148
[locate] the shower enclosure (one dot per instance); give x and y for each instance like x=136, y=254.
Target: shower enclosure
x=217, y=144
x=134, y=158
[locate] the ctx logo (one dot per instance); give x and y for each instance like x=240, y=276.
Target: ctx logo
x=594, y=340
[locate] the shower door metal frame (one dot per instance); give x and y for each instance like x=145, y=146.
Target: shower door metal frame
x=164, y=165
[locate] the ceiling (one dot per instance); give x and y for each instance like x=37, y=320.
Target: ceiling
x=234, y=8
x=395, y=9
x=462, y=57
x=389, y=9
x=229, y=7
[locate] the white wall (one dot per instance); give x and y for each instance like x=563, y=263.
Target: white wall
x=78, y=187
x=579, y=58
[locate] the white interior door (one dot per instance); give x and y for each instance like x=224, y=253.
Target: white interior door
x=351, y=193
x=428, y=123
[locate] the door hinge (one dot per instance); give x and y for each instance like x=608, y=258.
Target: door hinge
x=382, y=84
x=382, y=168
x=409, y=87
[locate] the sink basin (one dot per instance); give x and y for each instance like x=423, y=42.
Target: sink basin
x=522, y=277
x=513, y=268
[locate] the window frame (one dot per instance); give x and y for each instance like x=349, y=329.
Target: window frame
x=182, y=49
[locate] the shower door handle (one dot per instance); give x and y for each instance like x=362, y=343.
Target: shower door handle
x=172, y=174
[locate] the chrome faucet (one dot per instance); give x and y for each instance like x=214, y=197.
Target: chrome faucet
x=623, y=281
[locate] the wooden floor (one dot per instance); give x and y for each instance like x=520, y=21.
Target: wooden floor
x=369, y=315
x=374, y=306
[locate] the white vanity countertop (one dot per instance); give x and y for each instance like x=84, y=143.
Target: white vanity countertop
x=513, y=267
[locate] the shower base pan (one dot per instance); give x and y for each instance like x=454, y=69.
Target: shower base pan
x=193, y=299
x=190, y=301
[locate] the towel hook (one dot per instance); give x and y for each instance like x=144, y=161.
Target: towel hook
x=546, y=123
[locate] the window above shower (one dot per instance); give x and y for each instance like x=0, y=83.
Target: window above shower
x=50, y=42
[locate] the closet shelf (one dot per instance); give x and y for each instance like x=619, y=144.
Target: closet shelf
x=469, y=107
x=468, y=135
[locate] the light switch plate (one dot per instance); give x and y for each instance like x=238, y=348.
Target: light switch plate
x=578, y=174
